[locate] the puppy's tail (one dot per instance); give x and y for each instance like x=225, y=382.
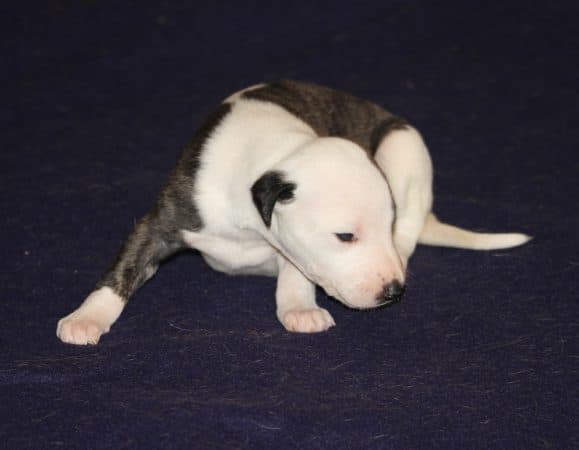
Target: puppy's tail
x=444, y=235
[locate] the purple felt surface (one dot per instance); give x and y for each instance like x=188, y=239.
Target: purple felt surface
x=97, y=100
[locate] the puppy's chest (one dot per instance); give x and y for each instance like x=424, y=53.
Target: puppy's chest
x=235, y=252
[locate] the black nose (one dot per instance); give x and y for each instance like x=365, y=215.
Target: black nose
x=392, y=293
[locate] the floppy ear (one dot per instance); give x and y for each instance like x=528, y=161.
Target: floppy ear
x=267, y=190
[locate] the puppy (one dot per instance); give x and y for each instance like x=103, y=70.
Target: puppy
x=298, y=181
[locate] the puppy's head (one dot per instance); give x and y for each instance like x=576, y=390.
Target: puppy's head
x=330, y=210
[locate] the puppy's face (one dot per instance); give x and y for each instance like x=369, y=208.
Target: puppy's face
x=332, y=217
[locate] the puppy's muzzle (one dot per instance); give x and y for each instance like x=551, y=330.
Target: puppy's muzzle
x=392, y=293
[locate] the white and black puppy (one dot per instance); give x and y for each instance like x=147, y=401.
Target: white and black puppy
x=298, y=181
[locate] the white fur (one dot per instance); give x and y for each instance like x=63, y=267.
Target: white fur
x=251, y=139
x=234, y=255
x=404, y=159
x=237, y=95
x=338, y=191
x=296, y=302
x=437, y=233
x=92, y=319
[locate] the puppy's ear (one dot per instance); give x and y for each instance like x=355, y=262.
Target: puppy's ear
x=267, y=190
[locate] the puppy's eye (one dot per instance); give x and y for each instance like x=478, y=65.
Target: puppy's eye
x=346, y=237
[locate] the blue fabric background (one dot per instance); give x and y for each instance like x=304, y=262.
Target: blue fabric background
x=97, y=100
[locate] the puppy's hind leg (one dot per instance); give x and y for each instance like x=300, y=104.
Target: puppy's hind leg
x=149, y=243
x=403, y=158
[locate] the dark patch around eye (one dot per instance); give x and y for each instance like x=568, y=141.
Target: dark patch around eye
x=346, y=237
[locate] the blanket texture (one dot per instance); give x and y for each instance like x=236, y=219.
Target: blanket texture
x=98, y=98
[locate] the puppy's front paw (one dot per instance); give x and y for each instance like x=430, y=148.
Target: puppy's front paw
x=79, y=330
x=311, y=320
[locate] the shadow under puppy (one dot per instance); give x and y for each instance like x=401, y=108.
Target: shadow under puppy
x=298, y=181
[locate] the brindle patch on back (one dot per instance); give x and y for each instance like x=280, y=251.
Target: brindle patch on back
x=331, y=112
